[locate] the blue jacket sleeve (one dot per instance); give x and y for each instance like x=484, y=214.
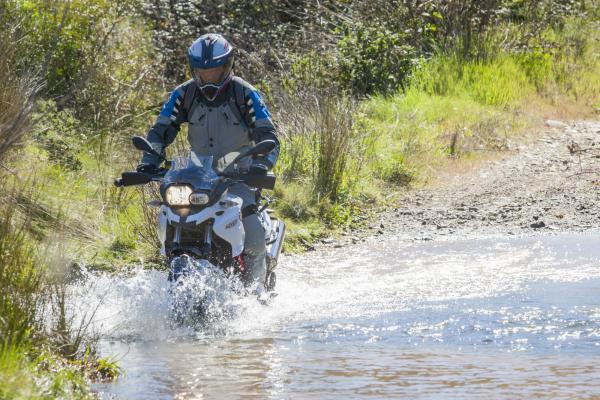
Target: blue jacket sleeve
x=261, y=124
x=167, y=125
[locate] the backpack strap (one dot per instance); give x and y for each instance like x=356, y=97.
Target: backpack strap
x=237, y=102
x=188, y=97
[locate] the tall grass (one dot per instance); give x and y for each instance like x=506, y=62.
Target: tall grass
x=38, y=331
x=21, y=274
x=321, y=141
x=16, y=93
x=321, y=150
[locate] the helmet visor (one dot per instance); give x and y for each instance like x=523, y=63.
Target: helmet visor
x=210, y=76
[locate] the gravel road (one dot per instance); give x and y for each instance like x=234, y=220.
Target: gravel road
x=550, y=183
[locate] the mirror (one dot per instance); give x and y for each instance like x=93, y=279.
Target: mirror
x=141, y=143
x=263, y=147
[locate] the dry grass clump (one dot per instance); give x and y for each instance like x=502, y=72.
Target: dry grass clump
x=318, y=140
x=16, y=94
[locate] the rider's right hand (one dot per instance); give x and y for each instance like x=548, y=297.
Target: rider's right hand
x=149, y=169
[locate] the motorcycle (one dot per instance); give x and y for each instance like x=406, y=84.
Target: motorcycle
x=200, y=220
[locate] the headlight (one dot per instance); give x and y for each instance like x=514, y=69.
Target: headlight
x=199, y=199
x=177, y=195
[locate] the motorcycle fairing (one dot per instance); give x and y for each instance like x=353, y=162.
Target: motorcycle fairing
x=226, y=214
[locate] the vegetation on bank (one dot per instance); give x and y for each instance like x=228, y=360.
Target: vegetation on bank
x=369, y=97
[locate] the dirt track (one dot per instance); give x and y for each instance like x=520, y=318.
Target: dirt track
x=540, y=186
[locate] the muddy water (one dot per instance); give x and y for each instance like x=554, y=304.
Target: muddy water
x=494, y=317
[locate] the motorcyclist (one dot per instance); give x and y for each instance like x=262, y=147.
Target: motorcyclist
x=224, y=114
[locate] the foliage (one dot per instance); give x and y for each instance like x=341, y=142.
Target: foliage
x=16, y=90
x=27, y=371
x=77, y=32
x=374, y=59
x=60, y=134
x=44, y=377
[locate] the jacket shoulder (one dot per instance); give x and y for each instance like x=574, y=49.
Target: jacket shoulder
x=248, y=88
x=184, y=86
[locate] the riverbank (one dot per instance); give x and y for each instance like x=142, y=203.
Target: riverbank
x=545, y=183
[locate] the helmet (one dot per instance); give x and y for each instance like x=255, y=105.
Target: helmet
x=211, y=61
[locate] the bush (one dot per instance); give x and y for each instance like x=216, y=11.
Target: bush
x=59, y=133
x=373, y=59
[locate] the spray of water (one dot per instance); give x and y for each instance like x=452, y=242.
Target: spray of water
x=143, y=304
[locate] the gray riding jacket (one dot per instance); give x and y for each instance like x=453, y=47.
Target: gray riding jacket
x=235, y=119
x=232, y=122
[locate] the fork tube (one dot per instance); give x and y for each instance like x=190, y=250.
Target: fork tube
x=207, y=239
x=177, y=236
x=208, y=234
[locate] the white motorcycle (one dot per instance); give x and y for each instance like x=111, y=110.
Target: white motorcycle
x=200, y=219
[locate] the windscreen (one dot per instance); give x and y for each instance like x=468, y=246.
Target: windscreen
x=195, y=170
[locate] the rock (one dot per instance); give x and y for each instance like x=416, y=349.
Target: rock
x=380, y=232
x=327, y=240
x=556, y=124
x=538, y=225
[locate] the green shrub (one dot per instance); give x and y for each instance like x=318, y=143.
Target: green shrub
x=373, y=59
x=60, y=134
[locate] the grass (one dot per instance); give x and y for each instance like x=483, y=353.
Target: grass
x=44, y=353
x=45, y=376
x=452, y=108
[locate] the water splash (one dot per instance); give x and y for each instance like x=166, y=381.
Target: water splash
x=142, y=304
x=202, y=295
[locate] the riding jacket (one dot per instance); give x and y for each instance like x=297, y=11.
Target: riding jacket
x=234, y=120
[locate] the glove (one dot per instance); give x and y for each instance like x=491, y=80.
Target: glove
x=258, y=168
x=149, y=169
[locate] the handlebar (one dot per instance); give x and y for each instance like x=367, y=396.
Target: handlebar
x=139, y=178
